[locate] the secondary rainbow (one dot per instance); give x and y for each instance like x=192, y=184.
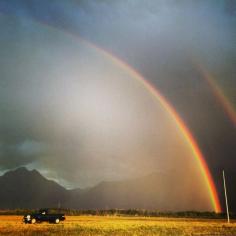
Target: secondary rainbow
x=227, y=106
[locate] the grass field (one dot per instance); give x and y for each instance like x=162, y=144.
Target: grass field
x=114, y=225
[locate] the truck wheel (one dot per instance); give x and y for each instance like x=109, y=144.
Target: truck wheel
x=57, y=221
x=33, y=221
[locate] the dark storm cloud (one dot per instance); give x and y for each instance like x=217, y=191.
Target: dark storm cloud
x=125, y=27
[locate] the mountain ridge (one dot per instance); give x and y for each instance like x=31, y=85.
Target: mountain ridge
x=23, y=188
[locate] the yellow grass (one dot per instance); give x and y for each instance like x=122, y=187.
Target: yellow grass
x=114, y=225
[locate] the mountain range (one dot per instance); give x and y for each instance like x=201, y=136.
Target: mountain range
x=22, y=188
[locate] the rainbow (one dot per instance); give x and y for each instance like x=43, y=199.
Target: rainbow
x=227, y=106
x=176, y=118
x=188, y=137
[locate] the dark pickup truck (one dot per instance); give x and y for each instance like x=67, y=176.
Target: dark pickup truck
x=43, y=215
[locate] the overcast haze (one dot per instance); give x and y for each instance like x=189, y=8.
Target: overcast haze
x=70, y=112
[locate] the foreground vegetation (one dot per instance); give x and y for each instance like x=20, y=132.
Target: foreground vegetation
x=117, y=225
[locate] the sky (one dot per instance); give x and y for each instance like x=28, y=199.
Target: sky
x=73, y=114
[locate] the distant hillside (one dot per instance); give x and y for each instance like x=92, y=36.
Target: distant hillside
x=29, y=189
x=22, y=188
x=155, y=191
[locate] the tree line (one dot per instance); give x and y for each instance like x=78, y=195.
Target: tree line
x=125, y=212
